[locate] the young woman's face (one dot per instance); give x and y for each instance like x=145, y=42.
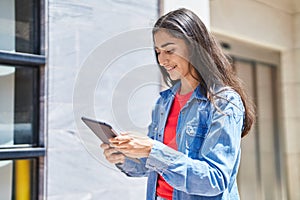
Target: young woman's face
x=172, y=55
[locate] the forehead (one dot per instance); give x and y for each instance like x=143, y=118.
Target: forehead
x=162, y=37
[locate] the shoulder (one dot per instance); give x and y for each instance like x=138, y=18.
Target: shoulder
x=229, y=101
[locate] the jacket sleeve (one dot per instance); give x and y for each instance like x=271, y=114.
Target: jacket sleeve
x=133, y=168
x=210, y=173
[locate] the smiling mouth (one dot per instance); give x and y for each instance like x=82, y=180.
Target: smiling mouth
x=170, y=68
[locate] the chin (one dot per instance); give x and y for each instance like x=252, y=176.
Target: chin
x=173, y=78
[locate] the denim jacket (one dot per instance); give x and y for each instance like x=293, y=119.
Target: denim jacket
x=208, y=138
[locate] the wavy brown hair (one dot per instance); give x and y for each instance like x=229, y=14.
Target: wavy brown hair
x=213, y=68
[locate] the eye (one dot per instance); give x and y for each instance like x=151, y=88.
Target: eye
x=170, y=51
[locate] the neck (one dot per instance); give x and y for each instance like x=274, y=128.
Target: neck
x=188, y=86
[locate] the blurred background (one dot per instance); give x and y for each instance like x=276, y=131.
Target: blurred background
x=60, y=60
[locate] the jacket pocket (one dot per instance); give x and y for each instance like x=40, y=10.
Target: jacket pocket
x=194, y=137
x=195, y=133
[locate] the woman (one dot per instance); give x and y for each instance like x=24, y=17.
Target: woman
x=193, y=145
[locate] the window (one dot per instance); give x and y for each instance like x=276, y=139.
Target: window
x=18, y=108
x=22, y=89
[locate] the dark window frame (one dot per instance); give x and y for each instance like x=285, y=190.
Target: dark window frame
x=38, y=61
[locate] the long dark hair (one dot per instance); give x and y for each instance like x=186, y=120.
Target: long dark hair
x=213, y=68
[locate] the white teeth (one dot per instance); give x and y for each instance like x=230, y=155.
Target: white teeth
x=170, y=68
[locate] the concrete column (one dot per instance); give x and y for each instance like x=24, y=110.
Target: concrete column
x=291, y=98
x=289, y=121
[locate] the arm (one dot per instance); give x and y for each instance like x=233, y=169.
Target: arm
x=132, y=168
x=209, y=174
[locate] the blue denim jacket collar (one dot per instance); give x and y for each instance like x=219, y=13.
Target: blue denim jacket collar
x=198, y=94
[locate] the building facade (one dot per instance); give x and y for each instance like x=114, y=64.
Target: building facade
x=60, y=60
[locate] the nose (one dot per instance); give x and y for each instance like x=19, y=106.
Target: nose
x=163, y=59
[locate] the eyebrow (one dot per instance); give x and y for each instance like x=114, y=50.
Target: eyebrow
x=166, y=44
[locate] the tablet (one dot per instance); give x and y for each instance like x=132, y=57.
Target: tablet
x=102, y=130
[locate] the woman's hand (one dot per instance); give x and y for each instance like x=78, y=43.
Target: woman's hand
x=112, y=154
x=132, y=146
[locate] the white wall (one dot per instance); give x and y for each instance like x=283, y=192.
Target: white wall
x=253, y=21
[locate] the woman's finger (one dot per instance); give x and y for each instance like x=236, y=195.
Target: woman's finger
x=110, y=151
x=124, y=145
x=124, y=133
x=120, y=139
x=116, y=158
x=104, y=146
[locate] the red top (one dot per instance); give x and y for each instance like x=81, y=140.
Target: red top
x=163, y=189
